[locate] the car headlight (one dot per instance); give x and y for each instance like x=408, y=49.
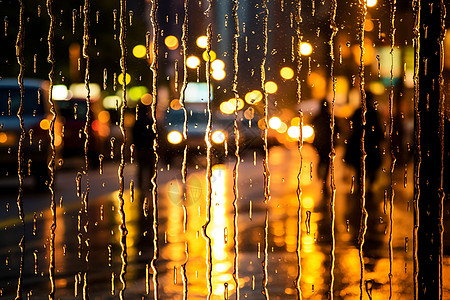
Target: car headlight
x=218, y=137
x=174, y=137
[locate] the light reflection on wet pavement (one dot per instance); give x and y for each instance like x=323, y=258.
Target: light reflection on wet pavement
x=181, y=217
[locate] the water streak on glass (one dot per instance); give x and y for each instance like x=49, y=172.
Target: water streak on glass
x=266, y=104
x=20, y=158
x=362, y=180
x=208, y=168
x=51, y=165
x=299, y=191
x=184, y=39
x=122, y=226
x=236, y=141
x=334, y=31
x=183, y=271
x=265, y=261
x=391, y=146
x=154, y=69
x=417, y=131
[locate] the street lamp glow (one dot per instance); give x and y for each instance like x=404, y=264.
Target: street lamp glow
x=171, y=42
x=202, y=41
x=127, y=78
x=174, y=137
x=227, y=108
x=253, y=97
x=211, y=56
x=287, y=73
x=217, y=65
x=306, y=49
x=271, y=87
x=218, y=74
x=293, y=132
x=192, y=62
x=139, y=51
x=371, y=3
x=218, y=137
x=240, y=103
x=275, y=123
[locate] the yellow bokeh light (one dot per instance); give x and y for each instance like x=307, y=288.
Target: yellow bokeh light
x=240, y=103
x=308, y=132
x=287, y=73
x=171, y=42
x=44, y=124
x=192, y=62
x=253, y=97
x=369, y=25
x=227, y=107
x=218, y=65
x=147, y=99
x=174, y=137
x=218, y=74
x=371, y=3
x=306, y=49
x=308, y=203
x=270, y=87
x=295, y=121
x=139, y=51
x=293, y=132
x=202, y=41
x=283, y=128
x=211, y=57
x=275, y=123
x=120, y=78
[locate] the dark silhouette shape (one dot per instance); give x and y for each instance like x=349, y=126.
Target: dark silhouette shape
x=373, y=137
x=322, y=141
x=143, y=137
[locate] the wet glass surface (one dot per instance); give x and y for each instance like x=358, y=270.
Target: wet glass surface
x=305, y=176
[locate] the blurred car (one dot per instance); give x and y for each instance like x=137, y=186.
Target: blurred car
x=36, y=121
x=73, y=113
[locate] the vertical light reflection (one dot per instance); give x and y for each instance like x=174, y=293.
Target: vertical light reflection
x=391, y=146
x=51, y=165
x=364, y=215
x=20, y=159
x=154, y=69
x=417, y=131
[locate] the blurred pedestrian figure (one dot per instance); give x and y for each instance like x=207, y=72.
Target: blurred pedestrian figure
x=372, y=139
x=143, y=137
x=322, y=141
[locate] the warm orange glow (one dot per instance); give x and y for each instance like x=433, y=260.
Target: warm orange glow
x=103, y=116
x=253, y=97
x=275, y=123
x=147, y=99
x=175, y=104
x=287, y=73
x=3, y=137
x=227, y=107
x=44, y=124
x=271, y=87
x=240, y=103
x=306, y=49
x=171, y=42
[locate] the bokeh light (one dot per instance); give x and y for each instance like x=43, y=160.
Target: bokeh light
x=171, y=42
x=202, y=41
x=192, y=62
x=270, y=87
x=306, y=49
x=139, y=51
x=287, y=73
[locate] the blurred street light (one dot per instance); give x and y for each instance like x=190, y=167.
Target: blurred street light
x=192, y=62
x=287, y=73
x=218, y=64
x=275, y=123
x=211, y=56
x=371, y=3
x=306, y=49
x=271, y=87
x=218, y=74
x=171, y=42
x=139, y=51
x=202, y=41
x=253, y=97
x=127, y=78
